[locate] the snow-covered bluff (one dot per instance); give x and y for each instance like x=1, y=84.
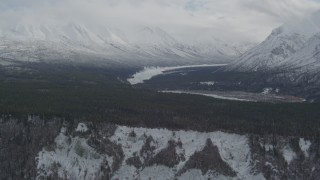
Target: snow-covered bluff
x=142, y=45
x=119, y=152
x=51, y=148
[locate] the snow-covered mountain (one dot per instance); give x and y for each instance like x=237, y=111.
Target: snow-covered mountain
x=29, y=41
x=306, y=59
x=289, y=44
x=271, y=52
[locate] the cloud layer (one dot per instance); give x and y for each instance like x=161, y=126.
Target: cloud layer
x=232, y=20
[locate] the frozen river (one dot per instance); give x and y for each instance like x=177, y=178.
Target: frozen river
x=149, y=72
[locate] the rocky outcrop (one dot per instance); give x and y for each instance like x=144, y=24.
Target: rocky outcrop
x=209, y=159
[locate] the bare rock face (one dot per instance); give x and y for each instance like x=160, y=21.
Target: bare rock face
x=134, y=161
x=147, y=150
x=168, y=156
x=209, y=159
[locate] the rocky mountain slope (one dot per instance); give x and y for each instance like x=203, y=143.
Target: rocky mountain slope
x=307, y=57
x=279, y=46
x=289, y=56
x=83, y=150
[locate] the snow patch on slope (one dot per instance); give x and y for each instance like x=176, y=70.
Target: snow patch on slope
x=208, y=83
x=288, y=154
x=82, y=127
x=304, y=146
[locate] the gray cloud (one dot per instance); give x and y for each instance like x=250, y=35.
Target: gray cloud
x=233, y=20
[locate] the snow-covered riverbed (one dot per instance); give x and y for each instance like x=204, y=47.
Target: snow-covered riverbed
x=210, y=95
x=242, y=96
x=149, y=72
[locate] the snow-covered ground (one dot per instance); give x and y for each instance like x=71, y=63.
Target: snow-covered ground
x=150, y=72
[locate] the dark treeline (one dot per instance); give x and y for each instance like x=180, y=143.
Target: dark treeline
x=97, y=94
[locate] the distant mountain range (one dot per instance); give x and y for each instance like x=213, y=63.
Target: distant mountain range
x=142, y=45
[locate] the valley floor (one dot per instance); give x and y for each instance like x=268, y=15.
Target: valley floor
x=71, y=122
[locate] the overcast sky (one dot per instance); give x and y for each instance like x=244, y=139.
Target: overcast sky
x=232, y=20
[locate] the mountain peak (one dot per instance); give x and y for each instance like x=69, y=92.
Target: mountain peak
x=293, y=47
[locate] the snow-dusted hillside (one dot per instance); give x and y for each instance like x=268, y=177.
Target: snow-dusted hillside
x=119, y=152
x=57, y=149
x=142, y=45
